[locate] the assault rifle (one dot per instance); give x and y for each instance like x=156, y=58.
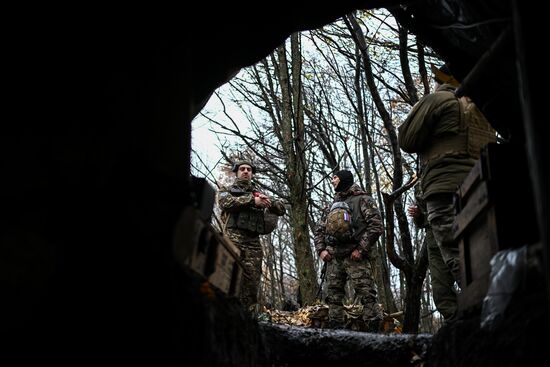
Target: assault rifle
x=323, y=276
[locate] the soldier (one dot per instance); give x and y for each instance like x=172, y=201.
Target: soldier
x=442, y=279
x=348, y=249
x=243, y=209
x=447, y=133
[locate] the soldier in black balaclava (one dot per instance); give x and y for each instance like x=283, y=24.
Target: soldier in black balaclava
x=348, y=256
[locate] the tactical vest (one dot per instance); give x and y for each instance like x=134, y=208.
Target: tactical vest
x=474, y=133
x=358, y=223
x=250, y=219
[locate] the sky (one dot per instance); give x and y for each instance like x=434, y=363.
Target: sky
x=205, y=142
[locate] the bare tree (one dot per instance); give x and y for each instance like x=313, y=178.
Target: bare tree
x=327, y=101
x=413, y=269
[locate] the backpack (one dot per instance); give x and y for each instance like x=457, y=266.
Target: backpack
x=480, y=132
x=339, y=227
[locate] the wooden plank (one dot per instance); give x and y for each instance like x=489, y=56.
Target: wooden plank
x=473, y=295
x=480, y=250
x=476, y=233
x=478, y=201
x=228, y=270
x=484, y=223
x=477, y=245
x=471, y=179
x=200, y=247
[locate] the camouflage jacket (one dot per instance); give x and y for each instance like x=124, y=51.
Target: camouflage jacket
x=238, y=199
x=370, y=214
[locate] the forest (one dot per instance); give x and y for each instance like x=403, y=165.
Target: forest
x=105, y=203
x=329, y=99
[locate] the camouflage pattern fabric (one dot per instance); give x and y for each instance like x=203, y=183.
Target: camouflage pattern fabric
x=342, y=267
x=442, y=280
x=238, y=198
x=270, y=222
x=362, y=281
x=370, y=215
x=229, y=202
x=441, y=217
x=251, y=256
x=338, y=223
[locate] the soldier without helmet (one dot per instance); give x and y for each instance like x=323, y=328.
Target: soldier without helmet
x=247, y=213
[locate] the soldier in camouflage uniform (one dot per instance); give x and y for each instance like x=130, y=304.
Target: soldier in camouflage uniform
x=242, y=212
x=442, y=279
x=447, y=133
x=351, y=259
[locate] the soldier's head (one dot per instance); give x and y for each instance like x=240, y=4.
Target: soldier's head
x=443, y=75
x=244, y=169
x=342, y=180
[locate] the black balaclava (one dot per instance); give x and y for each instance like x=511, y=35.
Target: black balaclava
x=346, y=180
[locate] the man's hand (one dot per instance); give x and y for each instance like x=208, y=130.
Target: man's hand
x=261, y=200
x=325, y=256
x=413, y=211
x=356, y=255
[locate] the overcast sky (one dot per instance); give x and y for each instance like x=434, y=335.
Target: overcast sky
x=206, y=143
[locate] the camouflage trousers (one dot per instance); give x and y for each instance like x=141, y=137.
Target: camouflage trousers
x=441, y=215
x=362, y=281
x=251, y=257
x=442, y=279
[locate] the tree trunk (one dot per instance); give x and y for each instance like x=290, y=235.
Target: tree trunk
x=414, y=282
x=405, y=261
x=271, y=268
x=293, y=145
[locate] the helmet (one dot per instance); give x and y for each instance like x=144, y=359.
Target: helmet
x=442, y=75
x=236, y=165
